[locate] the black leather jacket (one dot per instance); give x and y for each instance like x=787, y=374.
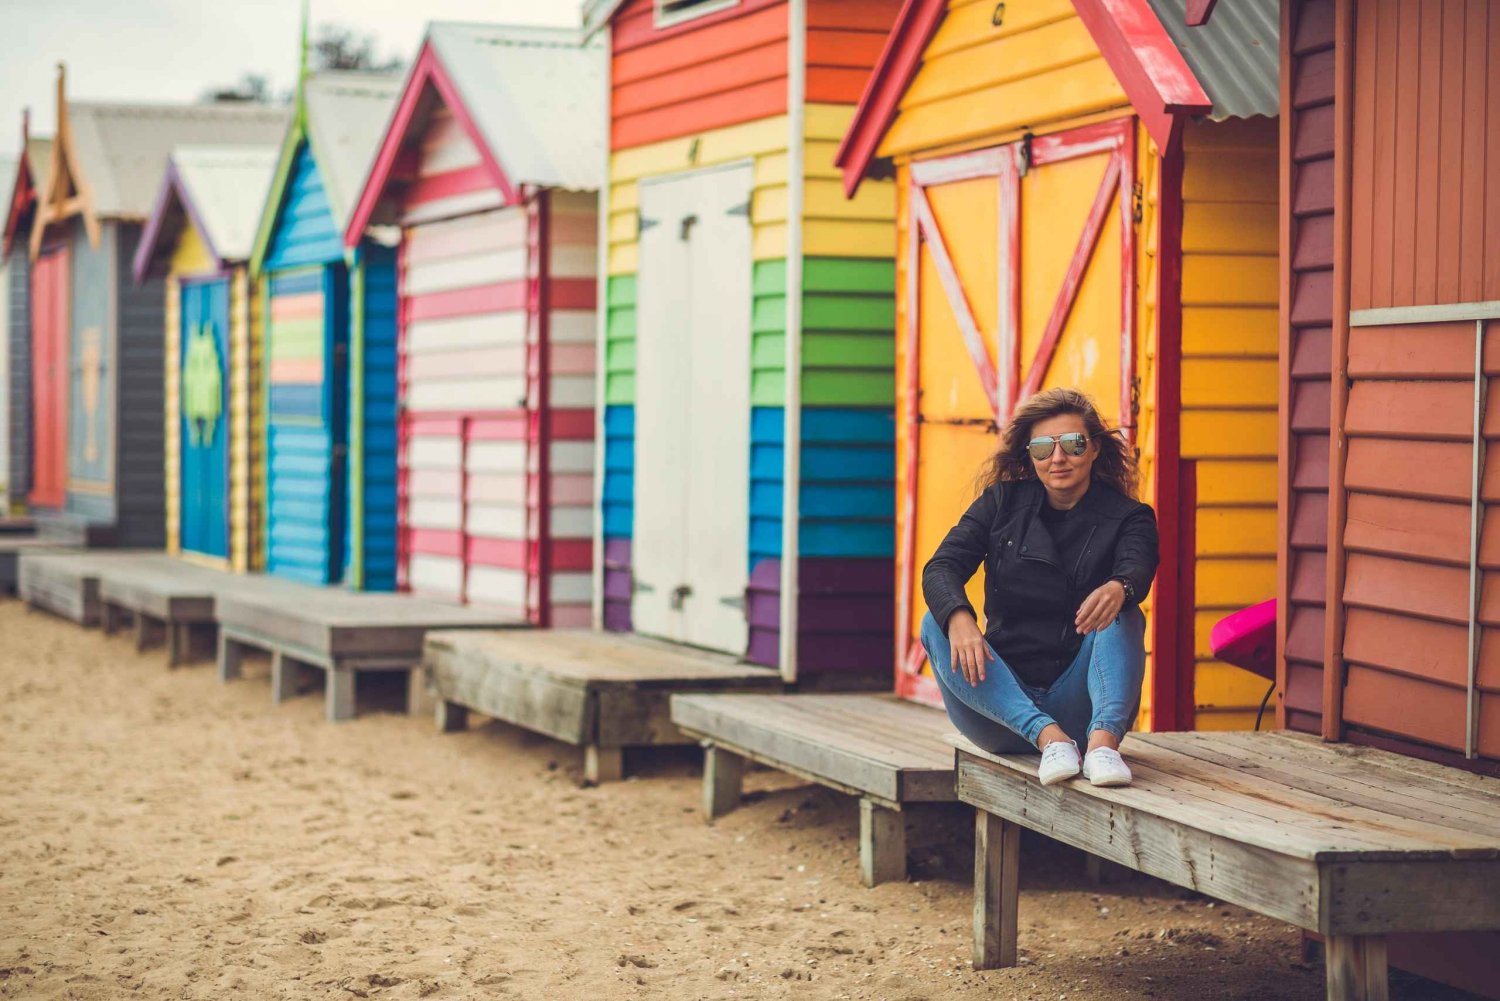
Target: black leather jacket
x=1029, y=600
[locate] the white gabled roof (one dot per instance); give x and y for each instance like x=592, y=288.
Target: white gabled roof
x=347, y=116
x=225, y=187
x=122, y=149
x=537, y=96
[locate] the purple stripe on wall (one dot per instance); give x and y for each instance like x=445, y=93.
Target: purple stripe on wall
x=846, y=616
x=617, y=585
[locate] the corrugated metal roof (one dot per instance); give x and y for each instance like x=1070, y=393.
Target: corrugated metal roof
x=1236, y=56
x=537, y=96
x=347, y=116
x=122, y=149
x=226, y=187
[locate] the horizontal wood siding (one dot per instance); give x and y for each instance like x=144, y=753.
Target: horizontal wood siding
x=572, y=223
x=977, y=80
x=1426, y=142
x=139, y=484
x=1409, y=431
x=1229, y=394
x=702, y=74
x=304, y=231
x=377, y=524
x=1307, y=358
x=18, y=378
x=844, y=41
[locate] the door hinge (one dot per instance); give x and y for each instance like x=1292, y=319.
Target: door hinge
x=741, y=209
x=733, y=601
x=638, y=586
x=642, y=223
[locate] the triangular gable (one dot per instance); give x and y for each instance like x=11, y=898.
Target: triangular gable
x=427, y=84
x=25, y=189
x=1149, y=67
x=64, y=192
x=174, y=205
x=286, y=158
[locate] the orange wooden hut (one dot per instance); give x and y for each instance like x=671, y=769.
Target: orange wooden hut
x=1087, y=196
x=1390, y=325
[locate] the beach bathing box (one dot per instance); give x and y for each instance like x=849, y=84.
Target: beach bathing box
x=747, y=395
x=490, y=169
x=1390, y=325
x=24, y=193
x=1392, y=270
x=1087, y=197
x=329, y=370
x=96, y=344
x=198, y=240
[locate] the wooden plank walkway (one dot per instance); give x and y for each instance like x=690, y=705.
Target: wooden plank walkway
x=601, y=691
x=167, y=600
x=16, y=524
x=340, y=632
x=66, y=581
x=11, y=548
x=1350, y=842
x=887, y=751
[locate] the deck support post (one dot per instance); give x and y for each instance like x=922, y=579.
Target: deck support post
x=1356, y=968
x=339, y=695
x=882, y=844
x=419, y=701
x=451, y=717
x=723, y=781
x=179, y=641
x=603, y=764
x=109, y=618
x=286, y=673
x=1102, y=870
x=231, y=656
x=997, y=884
x=145, y=632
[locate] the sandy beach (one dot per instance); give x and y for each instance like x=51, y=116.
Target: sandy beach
x=166, y=836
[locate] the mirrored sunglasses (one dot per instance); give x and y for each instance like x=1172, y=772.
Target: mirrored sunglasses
x=1073, y=443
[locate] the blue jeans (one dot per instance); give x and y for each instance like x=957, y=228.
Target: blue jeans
x=1100, y=690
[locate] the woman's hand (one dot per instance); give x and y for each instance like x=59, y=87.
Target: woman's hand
x=970, y=651
x=1100, y=608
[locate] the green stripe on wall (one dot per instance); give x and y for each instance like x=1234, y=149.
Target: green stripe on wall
x=619, y=337
x=848, y=332
x=768, y=334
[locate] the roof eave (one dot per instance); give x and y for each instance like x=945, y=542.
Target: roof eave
x=22, y=197
x=597, y=14
x=295, y=133
x=898, y=62
x=1156, y=79
x=428, y=68
x=172, y=187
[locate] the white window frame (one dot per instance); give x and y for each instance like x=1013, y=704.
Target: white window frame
x=702, y=8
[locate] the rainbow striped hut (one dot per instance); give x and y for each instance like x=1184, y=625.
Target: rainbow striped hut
x=747, y=400
x=330, y=345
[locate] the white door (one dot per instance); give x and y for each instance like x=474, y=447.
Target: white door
x=692, y=411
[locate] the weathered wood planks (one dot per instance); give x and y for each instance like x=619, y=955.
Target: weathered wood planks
x=601, y=691
x=1352, y=843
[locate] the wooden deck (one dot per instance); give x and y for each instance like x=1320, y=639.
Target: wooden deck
x=11, y=547
x=340, y=632
x=887, y=751
x=602, y=691
x=16, y=525
x=66, y=582
x=1349, y=842
x=167, y=600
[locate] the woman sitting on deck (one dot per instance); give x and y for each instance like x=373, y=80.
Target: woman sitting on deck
x=1068, y=555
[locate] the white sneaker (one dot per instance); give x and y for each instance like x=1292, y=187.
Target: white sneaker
x=1103, y=766
x=1059, y=761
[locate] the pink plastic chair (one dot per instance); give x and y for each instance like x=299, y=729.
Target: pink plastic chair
x=1247, y=639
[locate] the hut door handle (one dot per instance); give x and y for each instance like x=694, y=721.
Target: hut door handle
x=688, y=222
x=680, y=594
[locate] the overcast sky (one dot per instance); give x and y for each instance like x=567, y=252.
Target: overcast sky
x=170, y=50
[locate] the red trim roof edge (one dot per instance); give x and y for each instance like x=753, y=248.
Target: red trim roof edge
x=22, y=197
x=898, y=62
x=1140, y=53
x=427, y=68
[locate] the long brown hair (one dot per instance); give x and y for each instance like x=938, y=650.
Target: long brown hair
x=1114, y=465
